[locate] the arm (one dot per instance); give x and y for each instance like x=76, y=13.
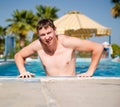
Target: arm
x=20, y=59
x=96, y=50
x=86, y=46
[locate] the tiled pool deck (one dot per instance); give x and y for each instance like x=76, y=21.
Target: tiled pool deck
x=60, y=92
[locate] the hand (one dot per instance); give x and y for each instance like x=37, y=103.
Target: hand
x=84, y=75
x=26, y=75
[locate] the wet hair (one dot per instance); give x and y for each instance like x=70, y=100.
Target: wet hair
x=45, y=23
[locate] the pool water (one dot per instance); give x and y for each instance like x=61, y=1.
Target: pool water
x=105, y=68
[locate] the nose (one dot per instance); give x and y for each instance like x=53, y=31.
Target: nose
x=47, y=36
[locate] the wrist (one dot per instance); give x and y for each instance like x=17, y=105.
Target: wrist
x=90, y=72
x=23, y=72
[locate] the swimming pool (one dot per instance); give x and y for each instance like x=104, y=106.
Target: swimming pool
x=104, y=69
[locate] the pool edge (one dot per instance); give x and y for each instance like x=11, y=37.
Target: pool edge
x=38, y=79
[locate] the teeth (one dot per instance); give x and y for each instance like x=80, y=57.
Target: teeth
x=49, y=39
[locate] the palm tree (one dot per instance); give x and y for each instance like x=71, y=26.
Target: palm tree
x=2, y=31
x=2, y=34
x=21, y=23
x=115, y=11
x=46, y=12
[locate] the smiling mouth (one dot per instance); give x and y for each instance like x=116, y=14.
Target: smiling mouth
x=48, y=41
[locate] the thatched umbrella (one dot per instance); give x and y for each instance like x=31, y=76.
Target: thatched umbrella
x=76, y=24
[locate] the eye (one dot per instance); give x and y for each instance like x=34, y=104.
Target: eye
x=48, y=33
x=42, y=35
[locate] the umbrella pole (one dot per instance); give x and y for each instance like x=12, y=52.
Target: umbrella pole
x=110, y=39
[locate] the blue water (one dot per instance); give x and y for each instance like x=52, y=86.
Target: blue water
x=105, y=68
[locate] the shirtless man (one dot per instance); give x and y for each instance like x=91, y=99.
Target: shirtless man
x=57, y=52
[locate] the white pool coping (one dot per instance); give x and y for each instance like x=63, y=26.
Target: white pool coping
x=38, y=79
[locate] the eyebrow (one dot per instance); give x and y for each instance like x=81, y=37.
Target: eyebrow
x=45, y=33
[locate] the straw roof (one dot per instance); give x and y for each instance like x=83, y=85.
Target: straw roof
x=76, y=24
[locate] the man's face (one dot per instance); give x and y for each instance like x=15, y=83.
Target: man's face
x=47, y=35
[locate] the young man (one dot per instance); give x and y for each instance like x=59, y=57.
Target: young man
x=57, y=52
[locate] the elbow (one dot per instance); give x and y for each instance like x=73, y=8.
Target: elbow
x=98, y=49
x=16, y=56
x=19, y=58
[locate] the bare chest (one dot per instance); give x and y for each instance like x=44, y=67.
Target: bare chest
x=59, y=59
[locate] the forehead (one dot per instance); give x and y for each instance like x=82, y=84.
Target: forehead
x=45, y=30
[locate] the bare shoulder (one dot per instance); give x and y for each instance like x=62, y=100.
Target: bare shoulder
x=68, y=41
x=64, y=39
x=32, y=47
x=35, y=45
x=78, y=44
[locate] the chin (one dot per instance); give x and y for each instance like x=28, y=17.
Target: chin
x=51, y=43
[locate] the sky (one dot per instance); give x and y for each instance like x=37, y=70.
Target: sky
x=98, y=10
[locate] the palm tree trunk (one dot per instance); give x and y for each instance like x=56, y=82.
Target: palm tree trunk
x=22, y=41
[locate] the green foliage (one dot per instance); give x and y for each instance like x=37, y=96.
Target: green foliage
x=84, y=54
x=46, y=12
x=2, y=34
x=116, y=50
x=21, y=23
x=115, y=1
x=115, y=11
x=2, y=31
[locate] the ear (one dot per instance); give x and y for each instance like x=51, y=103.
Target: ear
x=55, y=28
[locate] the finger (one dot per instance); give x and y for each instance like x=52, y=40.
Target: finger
x=83, y=76
x=32, y=75
x=25, y=76
x=80, y=75
x=29, y=75
x=20, y=76
x=86, y=76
